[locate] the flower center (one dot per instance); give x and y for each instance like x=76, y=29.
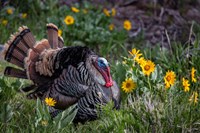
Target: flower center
x=128, y=85
x=69, y=20
x=146, y=67
x=168, y=78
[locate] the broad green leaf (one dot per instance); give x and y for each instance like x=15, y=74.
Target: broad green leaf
x=66, y=117
x=6, y=113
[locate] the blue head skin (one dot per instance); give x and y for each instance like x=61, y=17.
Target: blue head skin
x=102, y=63
x=103, y=67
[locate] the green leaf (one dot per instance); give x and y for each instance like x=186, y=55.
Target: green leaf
x=66, y=117
x=42, y=112
x=6, y=113
x=154, y=75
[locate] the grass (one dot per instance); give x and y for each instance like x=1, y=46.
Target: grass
x=148, y=108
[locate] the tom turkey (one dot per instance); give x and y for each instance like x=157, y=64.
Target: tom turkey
x=69, y=75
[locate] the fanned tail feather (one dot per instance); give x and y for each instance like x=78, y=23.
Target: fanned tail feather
x=10, y=71
x=52, y=32
x=60, y=42
x=55, y=41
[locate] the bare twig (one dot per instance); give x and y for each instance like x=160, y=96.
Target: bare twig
x=168, y=40
x=188, y=55
x=191, y=31
x=190, y=36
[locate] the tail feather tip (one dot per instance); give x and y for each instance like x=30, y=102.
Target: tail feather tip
x=51, y=25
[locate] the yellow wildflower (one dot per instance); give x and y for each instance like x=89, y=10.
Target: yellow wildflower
x=193, y=75
x=113, y=11
x=128, y=85
x=186, y=84
x=111, y=27
x=127, y=25
x=169, y=79
x=50, y=101
x=135, y=53
x=9, y=11
x=194, y=97
x=4, y=22
x=74, y=9
x=106, y=12
x=147, y=67
x=59, y=32
x=24, y=15
x=69, y=20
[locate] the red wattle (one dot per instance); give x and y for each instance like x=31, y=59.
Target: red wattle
x=108, y=84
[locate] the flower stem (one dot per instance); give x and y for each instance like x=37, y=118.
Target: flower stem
x=149, y=83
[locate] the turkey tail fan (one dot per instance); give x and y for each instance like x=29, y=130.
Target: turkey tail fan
x=42, y=45
x=52, y=31
x=13, y=72
x=16, y=48
x=27, y=36
x=39, y=47
x=60, y=42
x=22, y=50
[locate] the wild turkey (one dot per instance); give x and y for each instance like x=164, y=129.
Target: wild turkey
x=69, y=75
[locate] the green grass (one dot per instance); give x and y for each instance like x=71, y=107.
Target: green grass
x=148, y=108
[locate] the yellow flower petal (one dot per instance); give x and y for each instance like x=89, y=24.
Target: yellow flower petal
x=140, y=60
x=134, y=52
x=106, y=12
x=4, y=22
x=24, y=15
x=59, y=32
x=193, y=75
x=137, y=56
x=111, y=27
x=9, y=11
x=113, y=12
x=74, y=9
x=186, y=85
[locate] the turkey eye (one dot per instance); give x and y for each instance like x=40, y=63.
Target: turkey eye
x=101, y=63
